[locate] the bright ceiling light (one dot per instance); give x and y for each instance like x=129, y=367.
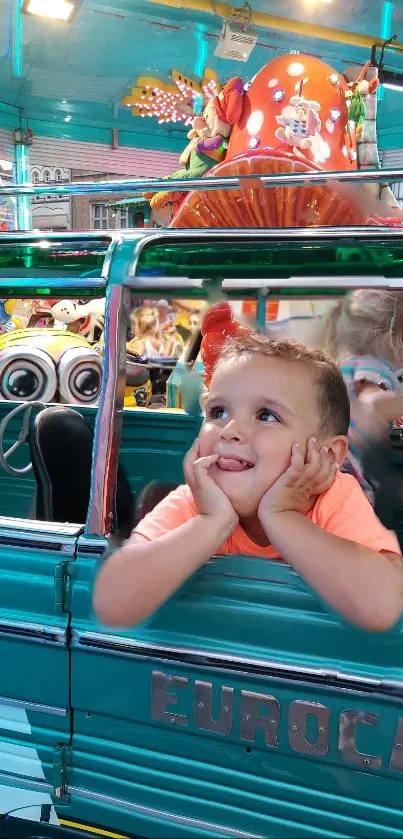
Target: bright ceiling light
x=51, y=9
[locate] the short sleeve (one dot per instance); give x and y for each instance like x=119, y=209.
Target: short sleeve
x=346, y=512
x=176, y=509
x=374, y=371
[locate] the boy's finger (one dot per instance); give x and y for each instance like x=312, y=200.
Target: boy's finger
x=194, y=450
x=327, y=480
x=201, y=466
x=296, y=467
x=312, y=456
x=317, y=467
x=320, y=467
x=326, y=461
x=189, y=461
x=297, y=458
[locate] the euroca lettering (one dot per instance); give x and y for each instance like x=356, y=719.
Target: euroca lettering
x=260, y=712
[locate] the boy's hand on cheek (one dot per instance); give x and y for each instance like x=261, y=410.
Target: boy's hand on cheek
x=298, y=487
x=211, y=501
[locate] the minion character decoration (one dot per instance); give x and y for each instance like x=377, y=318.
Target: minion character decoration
x=138, y=390
x=48, y=365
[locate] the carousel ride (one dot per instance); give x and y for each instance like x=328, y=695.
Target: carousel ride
x=297, y=116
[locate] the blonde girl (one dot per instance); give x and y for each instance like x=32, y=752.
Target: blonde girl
x=364, y=333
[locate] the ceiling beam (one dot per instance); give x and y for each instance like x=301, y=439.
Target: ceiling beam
x=262, y=20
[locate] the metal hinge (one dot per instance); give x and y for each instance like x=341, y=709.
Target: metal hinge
x=62, y=587
x=60, y=766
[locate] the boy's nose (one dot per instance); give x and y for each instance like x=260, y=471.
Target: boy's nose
x=233, y=430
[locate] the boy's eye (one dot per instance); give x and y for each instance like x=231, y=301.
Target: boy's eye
x=217, y=413
x=267, y=416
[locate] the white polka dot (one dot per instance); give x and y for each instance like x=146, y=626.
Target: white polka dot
x=255, y=122
x=272, y=83
x=344, y=150
x=295, y=68
x=326, y=151
x=330, y=126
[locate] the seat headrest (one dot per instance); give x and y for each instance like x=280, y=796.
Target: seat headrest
x=136, y=374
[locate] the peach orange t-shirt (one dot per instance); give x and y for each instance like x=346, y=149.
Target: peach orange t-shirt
x=343, y=510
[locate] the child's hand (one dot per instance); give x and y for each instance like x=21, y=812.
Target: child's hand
x=375, y=409
x=298, y=487
x=210, y=499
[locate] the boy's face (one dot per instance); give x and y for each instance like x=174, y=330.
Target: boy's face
x=257, y=408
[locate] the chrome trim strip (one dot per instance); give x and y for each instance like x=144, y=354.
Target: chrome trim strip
x=376, y=281
x=108, y=258
x=24, y=541
x=161, y=815
x=247, y=285
x=71, y=282
x=33, y=632
x=8, y=779
x=91, y=546
x=50, y=530
x=101, y=642
x=52, y=710
x=109, y=421
x=39, y=236
x=208, y=183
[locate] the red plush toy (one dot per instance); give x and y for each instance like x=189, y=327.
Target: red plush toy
x=217, y=326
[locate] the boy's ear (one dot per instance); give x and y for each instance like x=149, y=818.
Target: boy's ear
x=338, y=448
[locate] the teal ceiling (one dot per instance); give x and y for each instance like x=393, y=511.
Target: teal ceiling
x=51, y=71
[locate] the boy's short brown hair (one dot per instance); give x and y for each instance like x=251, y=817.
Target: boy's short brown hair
x=333, y=399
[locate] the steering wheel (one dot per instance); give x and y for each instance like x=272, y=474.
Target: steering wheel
x=26, y=408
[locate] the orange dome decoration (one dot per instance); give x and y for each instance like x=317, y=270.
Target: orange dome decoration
x=297, y=104
x=217, y=326
x=294, y=119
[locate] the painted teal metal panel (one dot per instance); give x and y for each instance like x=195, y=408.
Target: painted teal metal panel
x=252, y=626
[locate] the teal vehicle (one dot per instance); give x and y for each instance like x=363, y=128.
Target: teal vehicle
x=243, y=708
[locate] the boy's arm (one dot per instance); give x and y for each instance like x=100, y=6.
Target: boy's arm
x=136, y=580
x=362, y=585
x=141, y=576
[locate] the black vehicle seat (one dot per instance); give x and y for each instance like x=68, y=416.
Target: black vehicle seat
x=61, y=445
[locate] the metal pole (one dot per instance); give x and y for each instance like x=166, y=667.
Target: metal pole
x=22, y=174
x=359, y=176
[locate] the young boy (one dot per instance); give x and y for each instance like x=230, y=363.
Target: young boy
x=263, y=480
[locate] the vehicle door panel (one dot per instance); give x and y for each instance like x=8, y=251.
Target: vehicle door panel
x=161, y=721
x=35, y=562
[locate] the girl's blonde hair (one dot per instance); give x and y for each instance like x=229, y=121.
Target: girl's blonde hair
x=367, y=322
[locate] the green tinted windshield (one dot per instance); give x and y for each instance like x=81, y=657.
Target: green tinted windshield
x=283, y=257
x=41, y=265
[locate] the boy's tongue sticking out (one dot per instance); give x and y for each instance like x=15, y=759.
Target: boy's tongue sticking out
x=229, y=463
